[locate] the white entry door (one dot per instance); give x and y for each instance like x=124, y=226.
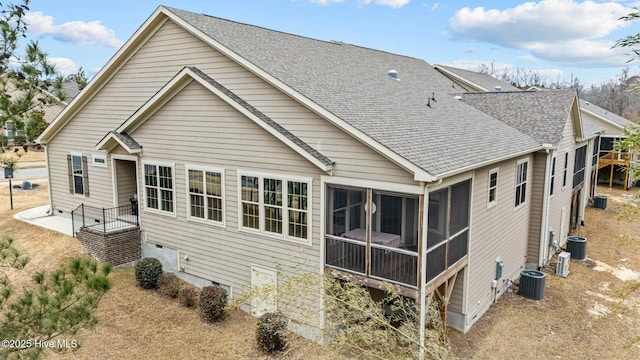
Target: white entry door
x=266, y=283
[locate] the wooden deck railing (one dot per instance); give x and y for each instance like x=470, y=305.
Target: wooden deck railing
x=386, y=263
x=614, y=158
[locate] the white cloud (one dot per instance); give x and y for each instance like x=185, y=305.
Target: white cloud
x=77, y=32
x=563, y=31
x=391, y=3
x=435, y=6
x=64, y=66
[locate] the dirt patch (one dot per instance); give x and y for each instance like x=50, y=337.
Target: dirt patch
x=591, y=314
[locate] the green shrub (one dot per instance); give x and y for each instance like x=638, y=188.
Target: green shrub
x=4, y=141
x=213, y=301
x=188, y=296
x=271, y=332
x=19, y=140
x=168, y=285
x=148, y=271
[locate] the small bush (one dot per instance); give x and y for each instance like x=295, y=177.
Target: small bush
x=213, y=300
x=188, y=296
x=3, y=140
x=270, y=333
x=19, y=140
x=168, y=285
x=148, y=271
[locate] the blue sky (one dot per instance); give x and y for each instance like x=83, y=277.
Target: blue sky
x=557, y=38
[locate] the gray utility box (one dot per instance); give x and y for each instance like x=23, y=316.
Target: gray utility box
x=532, y=283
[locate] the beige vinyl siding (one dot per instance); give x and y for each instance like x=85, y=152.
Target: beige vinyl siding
x=609, y=130
x=498, y=232
x=216, y=135
x=562, y=195
x=538, y=178
x=126, y=181
x=143, y=75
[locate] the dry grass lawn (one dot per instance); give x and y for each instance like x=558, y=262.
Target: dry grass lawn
x=592, y=314
x=29, y=158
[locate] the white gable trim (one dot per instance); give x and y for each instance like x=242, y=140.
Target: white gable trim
x=463, y=80
x=182, y=79
x=144, y=32
x=419, y=173
x=107, y=143
x=150, y=26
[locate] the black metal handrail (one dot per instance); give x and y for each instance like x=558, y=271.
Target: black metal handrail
x=104, y=219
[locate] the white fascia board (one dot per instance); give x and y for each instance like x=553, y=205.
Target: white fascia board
x=419, y=173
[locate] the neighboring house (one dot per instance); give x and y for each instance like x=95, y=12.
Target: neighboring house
x=258, y=155
x=49, y=111
x=613, y=166
x=561, y=171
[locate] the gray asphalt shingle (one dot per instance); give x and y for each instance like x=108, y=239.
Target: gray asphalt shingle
x=540, y=114
x=352, y=83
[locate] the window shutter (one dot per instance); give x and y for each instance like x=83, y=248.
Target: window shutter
x=70, y=173
x=85, y=176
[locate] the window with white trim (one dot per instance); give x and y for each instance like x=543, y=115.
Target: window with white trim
x=159, y=187
x=521, y=182
x=78, y=174
x=492, y=195
x=99, y=160
x=275, y=205
x=205, y=194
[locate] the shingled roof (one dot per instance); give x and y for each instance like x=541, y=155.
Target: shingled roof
x=604, y=114
x=414, y=117
x=480, y=81
x=540, y=114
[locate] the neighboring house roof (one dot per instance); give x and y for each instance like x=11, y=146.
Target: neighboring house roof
x=413, y=121
x=540, y=114
x=476, y=80
x=603, y=115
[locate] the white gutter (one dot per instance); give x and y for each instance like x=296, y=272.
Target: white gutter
x=493, y=161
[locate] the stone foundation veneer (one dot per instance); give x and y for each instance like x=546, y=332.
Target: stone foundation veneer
x=117, y=247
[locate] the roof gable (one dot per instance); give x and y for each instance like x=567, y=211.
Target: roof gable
x=539, y=114
x=189, y=74
x=412, y=121
x=604, y=115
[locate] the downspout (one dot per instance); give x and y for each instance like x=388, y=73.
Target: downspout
x=423, y=265
x=544, y=232
x=46, y=164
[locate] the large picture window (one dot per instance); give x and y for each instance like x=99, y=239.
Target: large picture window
x=205, y=194
x=275, y=205
x=159, y=187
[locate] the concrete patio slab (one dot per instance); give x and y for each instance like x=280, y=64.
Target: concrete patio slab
x=39, y=216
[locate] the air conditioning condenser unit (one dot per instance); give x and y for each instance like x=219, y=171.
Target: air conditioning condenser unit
x=562, y=268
